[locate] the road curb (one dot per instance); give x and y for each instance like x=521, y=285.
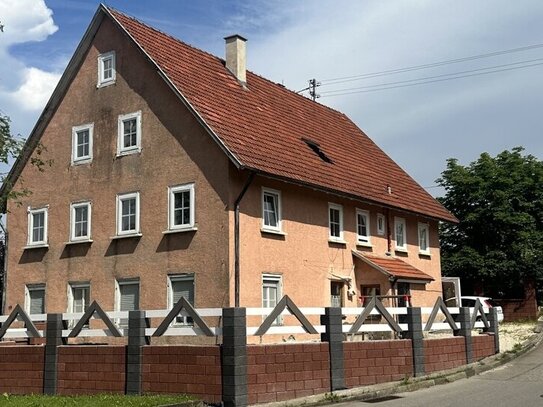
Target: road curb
x=414, y=383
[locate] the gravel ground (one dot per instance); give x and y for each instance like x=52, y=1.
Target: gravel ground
x=512, y=333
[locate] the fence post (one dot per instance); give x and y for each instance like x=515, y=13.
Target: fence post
x=494, y=328
x=464, y=319
x=414, y=332
x=53, y=339
x=234, y=357
x=332, y=320
x=134, y=351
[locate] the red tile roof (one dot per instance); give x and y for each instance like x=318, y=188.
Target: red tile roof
x=263, y=126
x=393, y=267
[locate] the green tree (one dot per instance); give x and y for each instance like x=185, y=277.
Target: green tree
x=498, y=244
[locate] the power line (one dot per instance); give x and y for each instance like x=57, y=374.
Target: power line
x=426, y=66
x=421, y=81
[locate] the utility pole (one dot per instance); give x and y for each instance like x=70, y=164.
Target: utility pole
x=313, y=89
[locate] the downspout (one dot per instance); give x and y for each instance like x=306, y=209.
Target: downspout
x=236, y=237
x=4, y=269
x=389, y=232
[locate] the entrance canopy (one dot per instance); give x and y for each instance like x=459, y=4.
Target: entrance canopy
x=394, y=268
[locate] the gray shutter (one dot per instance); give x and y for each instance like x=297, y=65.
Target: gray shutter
x=130, y=294
x=183, y=288
x=37, y=301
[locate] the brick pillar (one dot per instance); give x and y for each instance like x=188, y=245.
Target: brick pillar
x=464, y=319
x=234, y=357
x=332, y=320
x=414, y=332
x=53, y=339
x=134, y=351
x=493, y=321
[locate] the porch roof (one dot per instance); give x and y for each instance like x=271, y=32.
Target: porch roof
x=394, y=268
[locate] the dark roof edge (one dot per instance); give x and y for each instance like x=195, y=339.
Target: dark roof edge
x=349, y=196
x=235, y=160
x=51, y=107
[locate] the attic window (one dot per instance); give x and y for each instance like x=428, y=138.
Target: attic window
x=313, y=145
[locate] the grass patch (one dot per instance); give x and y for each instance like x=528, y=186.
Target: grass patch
x=101, y=400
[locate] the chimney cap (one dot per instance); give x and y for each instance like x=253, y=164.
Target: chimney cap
x=235, y=36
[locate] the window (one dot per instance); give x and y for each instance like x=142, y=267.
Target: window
x=127, y=298
x=78, y=299
x=128, y=214
x=400, y=234
x=335, y=219
x=35, y=299
x=129, y=133
x=80, y=221
x=363, y=227
x=368, y=292
x=336, y=294
x=271, y=293
x=106, y=69
x=424, y=233
x=82, y=144
x=381, y=224
x=181, y=285
x=181, y=207
x=271, y=210
x=37, y=227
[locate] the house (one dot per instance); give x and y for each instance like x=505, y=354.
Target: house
x=177, y=173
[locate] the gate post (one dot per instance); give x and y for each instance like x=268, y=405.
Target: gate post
x=332, y=320
x=53, y=339
x=234, y=357
x=134, y=351
x=464, y=319
x=494, y=328
x=414, y=332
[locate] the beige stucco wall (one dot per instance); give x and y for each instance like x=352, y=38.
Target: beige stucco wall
x=175, y=150
x=306, y=259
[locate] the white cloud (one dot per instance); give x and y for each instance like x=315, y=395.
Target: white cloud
x=24, y=90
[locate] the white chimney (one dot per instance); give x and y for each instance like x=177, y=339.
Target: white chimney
x=236, y=56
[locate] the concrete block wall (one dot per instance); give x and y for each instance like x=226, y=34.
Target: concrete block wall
x=444, y=353
x=91, y=369
x=21, y=369
x=373, y=362
x=192, y=370
x=284, y=372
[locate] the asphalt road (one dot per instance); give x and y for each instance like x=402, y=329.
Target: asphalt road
x=518, y=383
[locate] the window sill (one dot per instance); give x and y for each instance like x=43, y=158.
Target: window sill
x=127, y=236
x=400, y=250
x=128, y=152
x=36, y=246
x=78, y=241
x=104, y=84
x=364, y=244
x=81, y=161
x=425, y=254
x=337, y=241
x=180, y=230
x=273, y=232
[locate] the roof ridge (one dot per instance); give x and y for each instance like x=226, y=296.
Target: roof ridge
x=306, y=99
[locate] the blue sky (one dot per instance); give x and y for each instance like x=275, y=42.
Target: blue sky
x=293, y=41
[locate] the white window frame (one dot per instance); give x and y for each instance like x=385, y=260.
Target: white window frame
x=278, y=279
x=381, y=231
x=424, y=226
x=277, y=197
x=400, y=248
x=179, y=277
x=32, y=287
x=121, y=150
x=118, y=283
x=339, y=238
x=101, y=58
x=73, y=207
x=363, y=240
x=31, y=213
x=171, y=209
x=70, y=308
x=120, y=199
x=86, y=158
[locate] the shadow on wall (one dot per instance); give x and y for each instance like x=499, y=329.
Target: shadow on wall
x=175, y=241
x=34, y=255
x=75, y=250
x=126, y=245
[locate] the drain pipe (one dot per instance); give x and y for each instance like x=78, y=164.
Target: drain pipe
x=4, y=269
x=236, y=236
